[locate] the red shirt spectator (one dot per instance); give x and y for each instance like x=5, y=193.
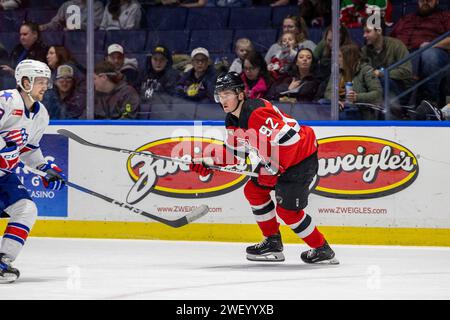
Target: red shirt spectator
x=417, y=28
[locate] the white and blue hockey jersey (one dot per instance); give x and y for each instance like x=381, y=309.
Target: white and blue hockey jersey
x=24, y=128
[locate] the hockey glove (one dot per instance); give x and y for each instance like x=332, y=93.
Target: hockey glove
x=54, y=179
x=9, y=156
x=268, y=175
x=200, y=165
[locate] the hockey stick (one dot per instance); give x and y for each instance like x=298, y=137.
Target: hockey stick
x=80, y=140
x=190, y=217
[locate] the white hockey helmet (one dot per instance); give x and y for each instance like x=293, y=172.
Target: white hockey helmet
x=31, y=69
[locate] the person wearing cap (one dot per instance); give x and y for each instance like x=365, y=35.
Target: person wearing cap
x=114, y=98
x=64, y=101
x=159, y=82
x=197, y=84
x=127, y=66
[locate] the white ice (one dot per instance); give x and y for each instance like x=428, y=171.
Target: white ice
x=179, y=270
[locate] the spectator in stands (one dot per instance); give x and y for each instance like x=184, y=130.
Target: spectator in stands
x=366, y=87
x=298, y=26
x=381, y=52
x=280, y=62
x=59, y=55
x=234, y=3
x=185, y=3
x=243, y=47
x=300, y=84
x=114, y=98
x=418, y=29
x=354, y=11
x=256, y=77
x=64, y=101
x=322, y=55
x=316, y=13
x=72, y=15
x=159, y=83
x=10, y=4
x=127, y=66
x=4, y=60
x=198, y=83
x=30, y=47
x=122, y=15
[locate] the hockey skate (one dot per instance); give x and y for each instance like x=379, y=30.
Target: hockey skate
x=270, y=249
x=323, y=255
x=8, y=274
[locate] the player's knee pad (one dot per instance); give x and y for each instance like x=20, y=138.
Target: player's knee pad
x=289, y=216
x=256, y=195
x=23, y=211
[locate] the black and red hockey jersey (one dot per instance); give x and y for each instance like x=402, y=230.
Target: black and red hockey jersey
x=275, y=137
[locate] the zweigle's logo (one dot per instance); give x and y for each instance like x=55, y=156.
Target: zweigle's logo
x=362, y=167
x=176, y=179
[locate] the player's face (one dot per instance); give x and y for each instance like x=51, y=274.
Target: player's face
x=228, y=99
x=40, y=85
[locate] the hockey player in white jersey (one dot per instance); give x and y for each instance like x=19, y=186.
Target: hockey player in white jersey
x=23, y=119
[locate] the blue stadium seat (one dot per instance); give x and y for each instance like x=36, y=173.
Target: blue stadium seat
x=397, y=11
x=216, y=41
x=411, y=7
x=81, y=58
x=357, y=36
x=11, y=20
x=209, y=111
x=9, y=40
x=262, y=39
x=40, y=16
x=132, y=41
x=55, y=38
x=75, y=41
x=184, y=111
x=280, y=12
x=315, y=34
x=141, y=58
x=164, y=18
x=250, y=18
x=207, y=18
x=48, y=4
x=311, y=111
x=176, y=40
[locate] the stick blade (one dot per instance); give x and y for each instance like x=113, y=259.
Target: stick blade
x=197, y=213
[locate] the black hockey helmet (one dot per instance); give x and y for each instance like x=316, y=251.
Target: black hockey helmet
x=228, y=81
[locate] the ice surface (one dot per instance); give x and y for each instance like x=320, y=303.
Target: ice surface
x=144, y=269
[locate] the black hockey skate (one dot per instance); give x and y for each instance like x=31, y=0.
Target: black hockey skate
x=8, y=274
x=270, y=249
x=323, y=255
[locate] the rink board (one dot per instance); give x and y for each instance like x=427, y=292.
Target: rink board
x=377, y=185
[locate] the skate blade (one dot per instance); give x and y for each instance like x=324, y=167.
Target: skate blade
x=8, y=278
x=267, y=257
x=332, y=261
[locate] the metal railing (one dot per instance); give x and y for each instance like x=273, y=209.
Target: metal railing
x=416, y=85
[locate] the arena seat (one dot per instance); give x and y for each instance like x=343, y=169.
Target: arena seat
x=216, y=41
x=132, y=41
x=207, y=18
x=262, y=39
x=175, y=40
x=250, y=18
x=163, y=18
